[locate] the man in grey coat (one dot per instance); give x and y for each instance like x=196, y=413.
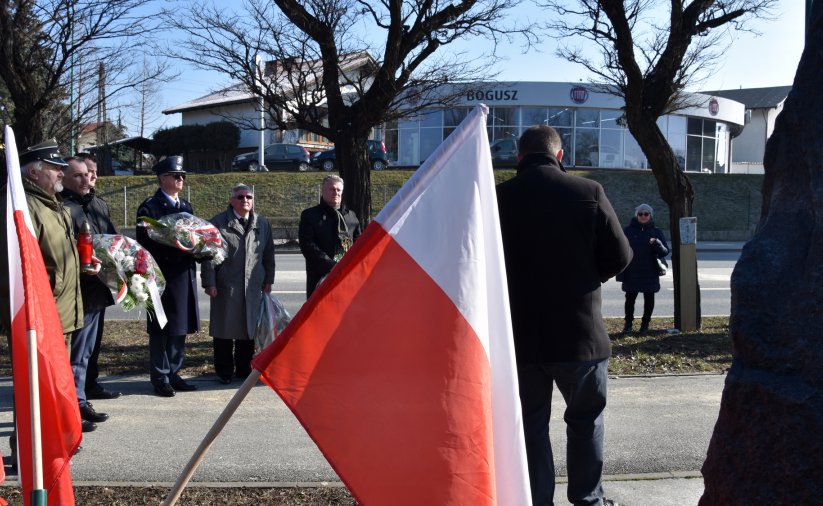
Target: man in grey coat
x=237, y=285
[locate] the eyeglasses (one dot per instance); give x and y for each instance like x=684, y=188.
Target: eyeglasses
x=643, y=214
x=181, y=177
x=244, y=197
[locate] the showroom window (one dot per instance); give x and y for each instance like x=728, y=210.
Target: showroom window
x=587, y=138
x=705, y=139
x=452, y=118
x=503, y=123
x=611, y=139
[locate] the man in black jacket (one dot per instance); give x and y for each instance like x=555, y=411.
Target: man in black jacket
x=167, y=345
x=94, y=390
x=84, y=206
x=326, y=232
x=561, y=240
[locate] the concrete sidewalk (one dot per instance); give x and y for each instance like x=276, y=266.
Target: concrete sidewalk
x=657, y=433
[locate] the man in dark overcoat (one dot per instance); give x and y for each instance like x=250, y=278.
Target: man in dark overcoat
x=167, y=345
x=326, y=232
x=561, y=240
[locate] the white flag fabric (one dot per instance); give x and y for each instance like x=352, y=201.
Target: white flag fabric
x=401, y=365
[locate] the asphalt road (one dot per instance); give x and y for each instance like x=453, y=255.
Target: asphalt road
x=653, y=425
x=714, y=272
x=656, y=427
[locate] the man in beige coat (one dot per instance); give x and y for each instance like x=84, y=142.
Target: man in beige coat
x=237, y=285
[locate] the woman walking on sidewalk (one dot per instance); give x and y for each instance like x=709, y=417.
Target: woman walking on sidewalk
x=648, y=244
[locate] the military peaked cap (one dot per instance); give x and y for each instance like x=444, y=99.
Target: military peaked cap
x=172, y=164
x=46, y=152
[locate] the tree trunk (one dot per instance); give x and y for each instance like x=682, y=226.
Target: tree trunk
x=766, y=447
x=675, y=189
x=352, y=162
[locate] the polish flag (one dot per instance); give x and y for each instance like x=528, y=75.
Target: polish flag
x=32, y=309
x=401, y=364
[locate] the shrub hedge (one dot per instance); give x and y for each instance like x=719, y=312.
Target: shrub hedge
x=727, y=206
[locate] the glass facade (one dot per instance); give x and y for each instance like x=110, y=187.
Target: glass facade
x=591, y=137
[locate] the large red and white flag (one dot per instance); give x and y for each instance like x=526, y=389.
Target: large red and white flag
x=401, y=364
x=33, y=309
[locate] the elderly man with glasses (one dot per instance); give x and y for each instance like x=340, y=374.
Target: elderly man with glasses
x=167, y=345
x=237, y=285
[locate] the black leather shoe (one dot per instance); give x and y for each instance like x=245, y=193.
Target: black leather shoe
x=224, y=381
x=182, y=386
x=164, y=390
x=87, y=412
x=101, y=394
x=88, y=426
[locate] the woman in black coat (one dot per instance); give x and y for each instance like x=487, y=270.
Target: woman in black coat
x=648, y=244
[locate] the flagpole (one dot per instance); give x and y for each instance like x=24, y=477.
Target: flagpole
x=199, y=454
x=38, y=494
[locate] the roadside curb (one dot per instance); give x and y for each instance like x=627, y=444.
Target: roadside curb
x=12, y=482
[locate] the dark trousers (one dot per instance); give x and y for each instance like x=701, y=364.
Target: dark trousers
x=92, y=372
x=583, y=386
x=233, y=356
x=82, y=345
x=648, y=305
x=166, y=354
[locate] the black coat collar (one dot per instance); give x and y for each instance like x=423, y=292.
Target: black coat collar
x=537, y=160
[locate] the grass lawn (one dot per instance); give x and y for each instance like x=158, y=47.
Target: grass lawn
x=125, y=349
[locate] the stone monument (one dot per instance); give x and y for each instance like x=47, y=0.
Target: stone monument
x=767, y=446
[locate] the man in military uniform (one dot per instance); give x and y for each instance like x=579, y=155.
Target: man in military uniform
x=167, y=345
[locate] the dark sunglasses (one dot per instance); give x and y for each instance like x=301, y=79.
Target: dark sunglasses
x=643, y=214
x=244, y=197
x=177, y=176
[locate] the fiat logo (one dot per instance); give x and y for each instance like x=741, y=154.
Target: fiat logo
x=579, y=94
x=714, y=107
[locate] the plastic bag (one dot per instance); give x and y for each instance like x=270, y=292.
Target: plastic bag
x=272, y=319
x=662, y=266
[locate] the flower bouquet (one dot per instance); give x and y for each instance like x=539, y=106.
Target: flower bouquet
x=131, y=274
x=188, y=233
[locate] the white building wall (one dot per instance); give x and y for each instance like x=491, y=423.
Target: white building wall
x=238, y=114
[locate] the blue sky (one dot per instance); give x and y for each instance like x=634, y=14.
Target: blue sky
x=769, y=58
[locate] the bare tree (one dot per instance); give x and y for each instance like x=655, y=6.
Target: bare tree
x=51, y=48
x=146, y=104
x=339, y=68
x=648, y=57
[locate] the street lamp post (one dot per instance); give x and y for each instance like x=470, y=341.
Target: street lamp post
x=261, y=155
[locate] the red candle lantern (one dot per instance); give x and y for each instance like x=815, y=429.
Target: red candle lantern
x=84, y=247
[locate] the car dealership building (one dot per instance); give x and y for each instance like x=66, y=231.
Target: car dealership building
x=588, y=120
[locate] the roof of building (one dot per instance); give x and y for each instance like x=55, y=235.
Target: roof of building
x=279, y=70
x=755, y=98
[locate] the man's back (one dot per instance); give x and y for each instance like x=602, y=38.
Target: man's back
x=561, y=239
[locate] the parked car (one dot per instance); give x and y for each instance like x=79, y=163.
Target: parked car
x=378, y=160
x=504, y=152
x=277, y=156
x=120, y=170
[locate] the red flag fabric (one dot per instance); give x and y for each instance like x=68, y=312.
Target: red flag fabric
x=401, y=364
x=33, y=309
